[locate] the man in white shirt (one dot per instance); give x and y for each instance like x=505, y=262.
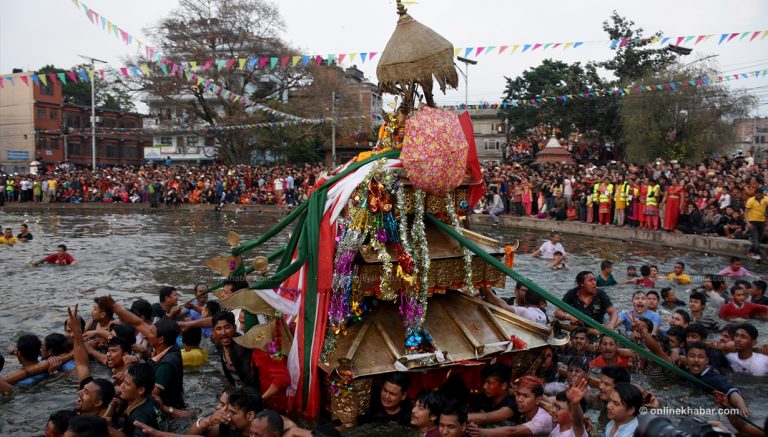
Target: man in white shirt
x=532, y=309
x=746, y=361
x=497, y=206
x=548, y=249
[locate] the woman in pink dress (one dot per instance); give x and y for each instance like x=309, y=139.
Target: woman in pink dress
x=527, y=197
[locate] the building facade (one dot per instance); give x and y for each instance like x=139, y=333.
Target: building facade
x=752, y=136
x=37, y=124
x=490, y=134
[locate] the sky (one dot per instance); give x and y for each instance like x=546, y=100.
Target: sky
x=34, y=33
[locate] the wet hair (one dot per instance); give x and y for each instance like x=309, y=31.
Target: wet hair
x=697, y=328
x=143, y=376
x=557, y=252
x=274, y=420
x=735, y=259
x=760, y=285
x=536, y=385
x=57, y=343
x=125, y=332
x=62, y=246
x=698, y=345
x=730, y=328
x=653, y=267
x=735, y=288
x=581, y=277
x=82, y=323
x=653, y=292
x=106, y=390
x=119, y=341
x=455, y=408
x=637, y=293
x=165, y=291
x=28, y=346
x=617, y=373
x=60, y=420
x=580, y=362
x=142, y=308
x=192, y=336
x=580, y=330
x=88, y=426
x=645, y=270
x=432, y=401
x=168, y=330
x=665, y=292
x=630, y=396
x=213, y=307
x=533, y=298
x=400, y=379
x=108, y=311
x=246, y=399
x=632, y=268
x=502, y=372
x=677, y=332
x=743, y=284
x=648, y=322
x=684, y=314
x=749, y=328
x=681, y=264
x=224, y=315
x=701, y=297
x=606, y=264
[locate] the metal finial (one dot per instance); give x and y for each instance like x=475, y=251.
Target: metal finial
x=401, y=9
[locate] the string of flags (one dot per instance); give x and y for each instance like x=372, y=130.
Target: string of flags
x=211, y=129
x=538, y=101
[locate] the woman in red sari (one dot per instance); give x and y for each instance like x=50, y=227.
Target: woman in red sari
x=673, y=204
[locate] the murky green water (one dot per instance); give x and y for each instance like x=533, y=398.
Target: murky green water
x=130, y=255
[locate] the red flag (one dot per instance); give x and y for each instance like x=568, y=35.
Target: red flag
x=477, y=187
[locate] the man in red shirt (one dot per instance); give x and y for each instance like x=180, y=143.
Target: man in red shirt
x=61, y=257
x=740, y=308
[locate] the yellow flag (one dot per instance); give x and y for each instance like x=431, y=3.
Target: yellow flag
x=242, y=63
x=514, y=48
x=193, y=64
x=295, y=60
x=352, y=57
x=456, y=51
x=568, y=45
x=43, y=79
x=145, y=69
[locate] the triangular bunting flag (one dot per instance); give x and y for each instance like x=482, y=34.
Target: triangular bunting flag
x=723, y=37
x=24, y=79
x=220, y=64
x=687, y=39
x=273, y=62
x=295, y=60
x=305, y=59
x=35, y=79
x=764, y=35
x=754, y=35
x=62, y=78
x=526, y=47
x=743, y=34
x=83, y=75
x=699, y=39
x=623, y=42
x=578, y=43
x=193, y=64
x=252, y=63
x=341, y=57
x=43, y=79
x=372, y=55
x=145, y=69
x=263, y=63
x=514, y=49
x=230, y=63
x=479, y=50
x=71, y=75
x=547, y=45
x=457, y=51
x=363, y=56
x=208, y=64
x=284, y=61
x=125, y=71
x=241, y=63
x=164, y=68
x=536, y=46
x=679, y=40
x=567, y=45
x=352, y=56
x=502, y=48
x=467, y=51
x=664, y=40
x=732, y=36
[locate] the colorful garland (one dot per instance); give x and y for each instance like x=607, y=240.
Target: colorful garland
x=450, y=206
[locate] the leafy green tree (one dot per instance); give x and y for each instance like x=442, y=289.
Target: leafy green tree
x=110, y=93
x=684, y=122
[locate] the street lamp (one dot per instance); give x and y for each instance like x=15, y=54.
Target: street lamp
x=93, y=105
x=334, y=98
x=465, y=73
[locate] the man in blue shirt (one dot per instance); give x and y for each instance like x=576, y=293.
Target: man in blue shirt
x=639, y=302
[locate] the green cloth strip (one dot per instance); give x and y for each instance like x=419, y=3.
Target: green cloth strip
x=271, y=257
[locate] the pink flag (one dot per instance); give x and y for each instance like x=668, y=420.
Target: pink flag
x=699, y=39
x=479, y=50
x=124, y=70
x=679, y=40
x=72, y=76
x=623, y=42
x=263, y=62
x=371, y=55
x=230, y=63
x=754, y=35
x=341, y=57
x=536, y=46
x=284, y=61
x=24, y=79
x=733, y=35
x=208, y=64
x=502, y=48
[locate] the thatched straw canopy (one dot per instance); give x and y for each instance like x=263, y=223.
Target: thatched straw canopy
x=415, y=53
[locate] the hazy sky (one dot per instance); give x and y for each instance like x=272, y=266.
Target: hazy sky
x=38, y=32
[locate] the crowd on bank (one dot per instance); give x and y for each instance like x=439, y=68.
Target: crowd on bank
x=718, y=197
x=704, y=329
x=582, y=149
x=216, y=184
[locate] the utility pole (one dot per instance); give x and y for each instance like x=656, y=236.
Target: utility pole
x=93, y=105
x=64, y=137
x=333, y=129
x=465, y=73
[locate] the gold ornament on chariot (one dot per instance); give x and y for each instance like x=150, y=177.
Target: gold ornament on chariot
x=260, y=264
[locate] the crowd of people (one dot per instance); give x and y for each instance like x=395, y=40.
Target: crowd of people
x=148, y=347
x=718, y=197
x=215, y=184
x=582, y=149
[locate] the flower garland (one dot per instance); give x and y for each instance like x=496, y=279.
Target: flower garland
x=414, y=303
x=450, y=206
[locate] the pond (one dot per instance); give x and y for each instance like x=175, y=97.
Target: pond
x=130, y=255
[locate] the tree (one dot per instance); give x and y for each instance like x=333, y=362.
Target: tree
x=555, y=78
x=109, y=93
x=199, y=30
x=682, y=123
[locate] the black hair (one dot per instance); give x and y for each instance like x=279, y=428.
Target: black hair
x=682, y=264
x=632, y=268
x=192, y=336
x=617, y=374
x=653, y=292
x=760, y=285
x=212, y=306
x=400, y=379
x=246, y=399
x=274, y=421
x=750, y=328
x=630, y=396
x=432, y=401
x=106, y=390
x=698, y=345
x=28, y=346
x=166, y=291
x=168, y=330
x=57, y=343
x=126, y=332
x=60, y=420
x=143, y=376
x=697, y=328
x=701, y=297
x=606, y=264
x=730, y=328
x=735, y=259
x=224, y=315
x=684, y=314
x=119, y=341
x=502, y=372
x=645, y=270
x=82, y=323
x=581, y=362
x=665, y=292
x=88, y=426
x=2, y=362
x=580, y=330
x=581, y=277
x=455, y=408
x=62, y=246
x=533, y=298
x=142, y=308
x=648, y=322
x=677, y=332
x=743, y=284
x=106, y=310
x=735, y=288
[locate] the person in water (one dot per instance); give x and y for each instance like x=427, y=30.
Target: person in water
x=61, y=257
